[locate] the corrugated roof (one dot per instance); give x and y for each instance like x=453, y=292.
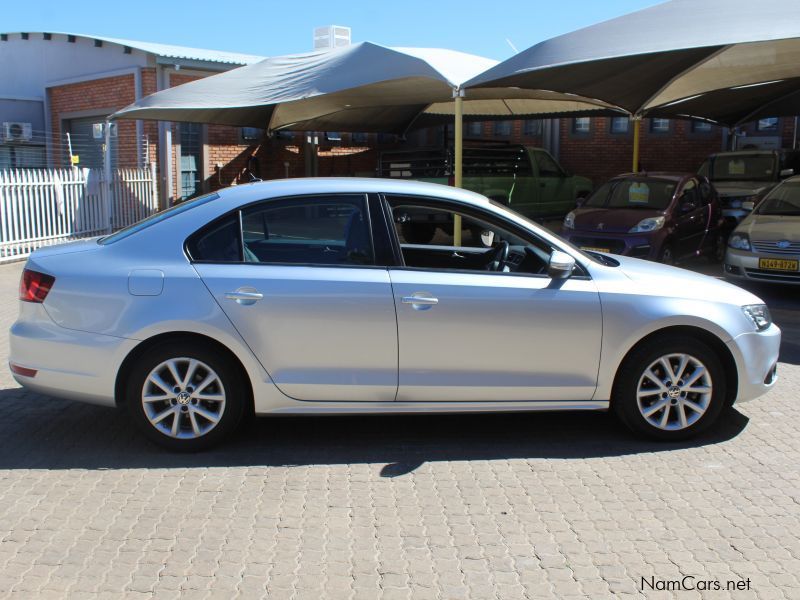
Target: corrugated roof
x=171, y=51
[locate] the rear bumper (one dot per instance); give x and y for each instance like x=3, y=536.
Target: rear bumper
x=69, y=364
x=756, y=356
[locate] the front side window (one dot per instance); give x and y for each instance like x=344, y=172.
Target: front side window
x=546, y=165
x=426, y=236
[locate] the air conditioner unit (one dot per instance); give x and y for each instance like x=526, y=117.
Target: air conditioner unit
x=17, y=132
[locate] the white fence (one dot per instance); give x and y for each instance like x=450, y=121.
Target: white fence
x=40, y=207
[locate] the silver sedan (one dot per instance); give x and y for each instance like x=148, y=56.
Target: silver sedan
x=316, y=297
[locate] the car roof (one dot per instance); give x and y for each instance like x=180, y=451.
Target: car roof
x=348, y=185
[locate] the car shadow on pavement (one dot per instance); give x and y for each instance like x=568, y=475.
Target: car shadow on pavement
x=39, y=432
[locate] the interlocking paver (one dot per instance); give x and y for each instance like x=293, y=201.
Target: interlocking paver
x=524, y=506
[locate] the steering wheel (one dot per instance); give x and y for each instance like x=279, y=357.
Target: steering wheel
x=499, y=257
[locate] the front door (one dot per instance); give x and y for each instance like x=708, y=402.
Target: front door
x=477, y=323
x=554, y=193
x=691, y=221
x=304, y=293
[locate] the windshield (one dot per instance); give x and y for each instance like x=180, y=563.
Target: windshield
x=652, y=194
x=157, y=218
x=783, y=200
x=753, y=167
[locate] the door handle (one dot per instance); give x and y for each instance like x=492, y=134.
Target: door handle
x=420, y=301
x=243, y=297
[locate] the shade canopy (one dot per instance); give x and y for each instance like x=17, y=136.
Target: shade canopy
x=363, y=87
x=690, y=58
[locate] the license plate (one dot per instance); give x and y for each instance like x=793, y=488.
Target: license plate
x=593, y=249
x=778, y=264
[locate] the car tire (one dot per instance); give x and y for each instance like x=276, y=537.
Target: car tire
x=667, y=255
x=418, y=233
x=720, y=247
x=660, y=405
x=194, y=414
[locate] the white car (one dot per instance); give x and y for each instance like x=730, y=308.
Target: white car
x=303, y=297
x=766, y=245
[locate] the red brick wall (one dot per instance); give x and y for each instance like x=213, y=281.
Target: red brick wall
x=110, y=92
x=600, y=154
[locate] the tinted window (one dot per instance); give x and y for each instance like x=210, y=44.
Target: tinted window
x=327, y=231
x=219, y=242
x=547, y=166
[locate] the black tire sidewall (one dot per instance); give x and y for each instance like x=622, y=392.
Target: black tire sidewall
x=624, y=402
x=235, y=394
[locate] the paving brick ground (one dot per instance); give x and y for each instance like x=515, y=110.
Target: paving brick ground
x=537, y=506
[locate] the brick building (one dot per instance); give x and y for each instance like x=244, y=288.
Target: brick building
x=58, y=89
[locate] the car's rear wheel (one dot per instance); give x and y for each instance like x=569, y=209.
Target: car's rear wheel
x=185, y=397
x=670, y=389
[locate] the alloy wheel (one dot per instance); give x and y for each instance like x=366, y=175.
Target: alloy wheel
x=183, y=398
x=674, y=392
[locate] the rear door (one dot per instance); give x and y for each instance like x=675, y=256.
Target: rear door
x=303, y=288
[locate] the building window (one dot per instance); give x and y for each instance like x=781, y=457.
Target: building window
x=532, y=127
x=701, y=127
x=502, y=128
x=619, y=124
x=659, y=125
x=475, y=128
x=768, y=124
x=581, y=125
x=359, y=138
x=251, y=134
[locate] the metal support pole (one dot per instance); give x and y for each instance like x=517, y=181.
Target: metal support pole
x=459, y=156
x=107, y=175
x=637, y=126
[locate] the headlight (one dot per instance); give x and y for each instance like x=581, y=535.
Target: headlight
x=758, y=315
x=739, y=241
x=650, y=224
x=569, y=221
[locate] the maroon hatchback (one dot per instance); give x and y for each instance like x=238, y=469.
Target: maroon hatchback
x=659, y=216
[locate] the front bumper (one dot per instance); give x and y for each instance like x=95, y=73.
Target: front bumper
x=69, y=364
x=626, y=244
x=756, y=356
x=743, y=265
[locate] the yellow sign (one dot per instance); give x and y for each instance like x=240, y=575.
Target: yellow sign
x=75, y=159
x=777, y=264
x=638, y=193
x=592, y=249
x=736, y=167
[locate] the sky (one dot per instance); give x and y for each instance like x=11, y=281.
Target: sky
x=269, y=28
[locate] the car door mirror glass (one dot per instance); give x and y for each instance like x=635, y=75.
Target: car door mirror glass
x=561, y=265
x=787, y=172
x=748, y=205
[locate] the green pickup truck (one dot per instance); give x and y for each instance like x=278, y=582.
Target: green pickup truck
x=528, y=180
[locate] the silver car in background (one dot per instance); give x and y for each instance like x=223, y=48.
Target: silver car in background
x=765, y=247
x=304, y=297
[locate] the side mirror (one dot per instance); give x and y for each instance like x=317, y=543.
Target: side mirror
x=561, y=265
x=748, y=205
x=786, y=172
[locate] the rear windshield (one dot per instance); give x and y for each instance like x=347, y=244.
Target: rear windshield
x=652, y=194
x=157, y=218
x=783, y=200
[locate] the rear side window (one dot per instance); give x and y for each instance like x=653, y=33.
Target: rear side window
x=323, y=230
x=218, y=242
x=316, y=230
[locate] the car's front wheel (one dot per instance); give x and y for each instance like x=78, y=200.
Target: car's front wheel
x=185, y=396
x=670, y=389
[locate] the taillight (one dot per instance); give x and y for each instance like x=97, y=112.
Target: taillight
x=34, y=286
